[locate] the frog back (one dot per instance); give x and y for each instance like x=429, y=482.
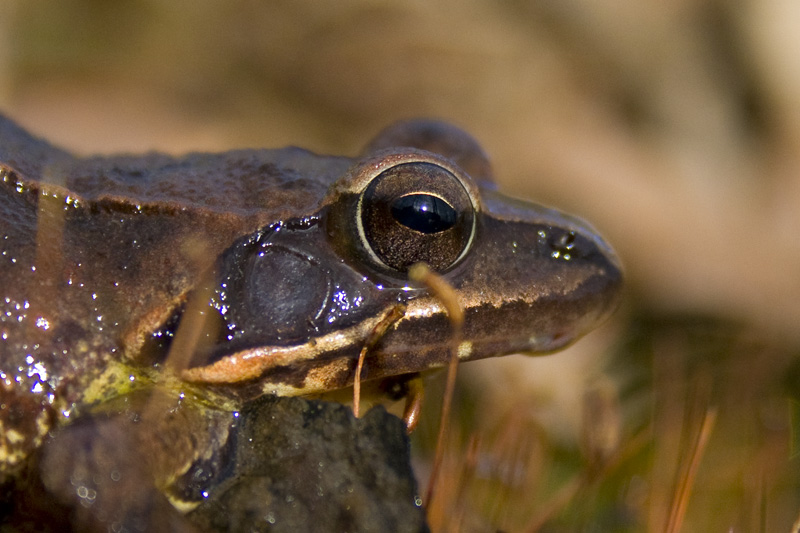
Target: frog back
x=96, y=252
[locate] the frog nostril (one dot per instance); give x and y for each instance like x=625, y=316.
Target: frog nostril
x=566, y=241
x=563, y=246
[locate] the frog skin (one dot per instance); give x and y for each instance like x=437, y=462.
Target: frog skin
x=288, y=259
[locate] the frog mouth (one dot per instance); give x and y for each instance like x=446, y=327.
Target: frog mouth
x=251, y=364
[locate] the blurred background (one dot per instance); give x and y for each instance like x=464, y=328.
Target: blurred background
x=674, y=127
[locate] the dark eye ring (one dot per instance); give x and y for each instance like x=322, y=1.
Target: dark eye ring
x=416, y=212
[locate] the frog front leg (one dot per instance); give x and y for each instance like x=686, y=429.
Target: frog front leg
x=97, y=478
x=130, y=465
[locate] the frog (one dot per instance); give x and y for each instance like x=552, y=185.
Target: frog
x=226, y=277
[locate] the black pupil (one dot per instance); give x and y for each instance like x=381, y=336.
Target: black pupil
x=424, y=213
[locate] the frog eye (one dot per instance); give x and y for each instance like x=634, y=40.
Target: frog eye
x=413, y=212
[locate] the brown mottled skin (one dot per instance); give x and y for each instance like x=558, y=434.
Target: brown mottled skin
x=98, y=253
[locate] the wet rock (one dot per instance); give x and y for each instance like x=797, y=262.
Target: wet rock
x=304, y=465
